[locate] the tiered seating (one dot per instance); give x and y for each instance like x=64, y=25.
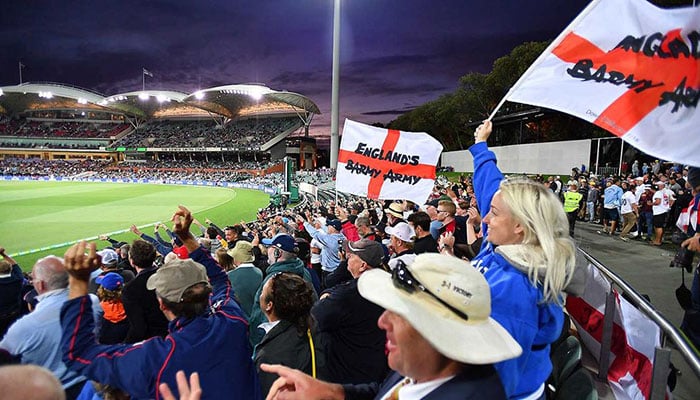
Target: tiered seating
x=244, y=134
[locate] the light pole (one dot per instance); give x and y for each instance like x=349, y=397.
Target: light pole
x=335, y=140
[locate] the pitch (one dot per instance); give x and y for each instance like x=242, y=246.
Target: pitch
x=41, y=218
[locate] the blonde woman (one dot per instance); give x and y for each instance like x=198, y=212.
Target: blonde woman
x=528, y=259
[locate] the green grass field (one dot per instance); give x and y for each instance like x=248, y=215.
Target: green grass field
x=43, y=215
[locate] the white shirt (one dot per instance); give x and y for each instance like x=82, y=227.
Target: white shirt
x=664, y=205
x=628, y=199
x=315, y=257
x=416, y=391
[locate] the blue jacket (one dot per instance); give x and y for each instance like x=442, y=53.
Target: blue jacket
x=515, y=302
x=216, y=346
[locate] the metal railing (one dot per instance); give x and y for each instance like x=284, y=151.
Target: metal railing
x=662, y=355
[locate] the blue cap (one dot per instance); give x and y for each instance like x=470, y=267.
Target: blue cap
x=281, y=241
x=110, y=281
x=334, y=223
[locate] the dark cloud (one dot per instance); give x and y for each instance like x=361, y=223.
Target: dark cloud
x=395, y=54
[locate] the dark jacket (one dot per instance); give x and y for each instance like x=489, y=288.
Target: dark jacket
x=474, y=382
x=426, y=244
x=284, y=345
x=10, y=298
x=214, y=344
x=354, y=344
x=11, y=292
x=146, y=320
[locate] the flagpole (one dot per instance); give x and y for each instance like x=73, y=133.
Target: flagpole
x=143, y=80
x=545, y=53
x=20, y=72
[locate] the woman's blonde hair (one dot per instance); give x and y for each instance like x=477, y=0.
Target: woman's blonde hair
x=545, y=226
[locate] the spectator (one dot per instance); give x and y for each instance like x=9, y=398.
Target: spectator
x=286, y=301
x=591, y=201
x=428, y=340
x=11, y=284
x=629, y=211
x=245, y=277
x=528, y=224
x=207, y=337
x=110, y=263
x=612, y=197
x=331, y=244
x=348, y=322
x=141, y=305
x=36, y=337
x=401, y=236
x=114, y=326
x=394, y=214
x=661, y=205
x=424, y=242
x=281, y=253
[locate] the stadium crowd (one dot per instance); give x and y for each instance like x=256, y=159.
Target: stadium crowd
x=247, y=133
x=60, y=129
x=355, y=299
x=460, y=297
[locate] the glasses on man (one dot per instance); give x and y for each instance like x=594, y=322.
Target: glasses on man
x=404, y=280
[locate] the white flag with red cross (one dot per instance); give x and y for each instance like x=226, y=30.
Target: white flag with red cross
x=380, y=163
x=630, y=68
x=634, y=337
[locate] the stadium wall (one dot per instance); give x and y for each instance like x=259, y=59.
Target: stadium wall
x=536, y=158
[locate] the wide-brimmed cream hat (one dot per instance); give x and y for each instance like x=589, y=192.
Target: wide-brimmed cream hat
x=450, y=306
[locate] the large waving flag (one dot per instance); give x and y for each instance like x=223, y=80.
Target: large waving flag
x=630, y=68
x=383, y=163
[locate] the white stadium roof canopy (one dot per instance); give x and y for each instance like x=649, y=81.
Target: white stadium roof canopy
x=228, y=101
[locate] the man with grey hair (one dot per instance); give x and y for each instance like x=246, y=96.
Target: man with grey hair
x=36, y=337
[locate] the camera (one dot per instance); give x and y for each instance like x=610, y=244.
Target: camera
x=683, y=259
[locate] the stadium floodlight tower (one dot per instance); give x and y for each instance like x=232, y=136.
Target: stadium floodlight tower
x=335, y=138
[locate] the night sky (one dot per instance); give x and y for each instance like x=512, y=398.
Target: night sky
x=395, y=54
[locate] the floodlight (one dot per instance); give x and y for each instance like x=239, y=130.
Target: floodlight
x=143, y=96
x=82, y=100
x=197, y=95
x=161, y=98
x=1, y=92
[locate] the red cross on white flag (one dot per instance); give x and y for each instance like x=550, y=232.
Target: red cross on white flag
x=629, y=67
x=380, y=163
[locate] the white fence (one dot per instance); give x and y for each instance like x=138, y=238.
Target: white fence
x=537, y=158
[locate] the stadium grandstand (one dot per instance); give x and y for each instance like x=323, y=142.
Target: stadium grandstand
x=245, y=126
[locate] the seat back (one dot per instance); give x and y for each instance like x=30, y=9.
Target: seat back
x=578, y=386
x=566, y=357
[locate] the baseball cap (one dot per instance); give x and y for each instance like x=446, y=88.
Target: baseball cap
x=109, y=257
x=448, y=302
x=181, y=252
x=281, y=241
x=110, y=281
x=335, y=224
x=368, y=250
x=402, y=230
x=172, y=279
x=242, y=252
